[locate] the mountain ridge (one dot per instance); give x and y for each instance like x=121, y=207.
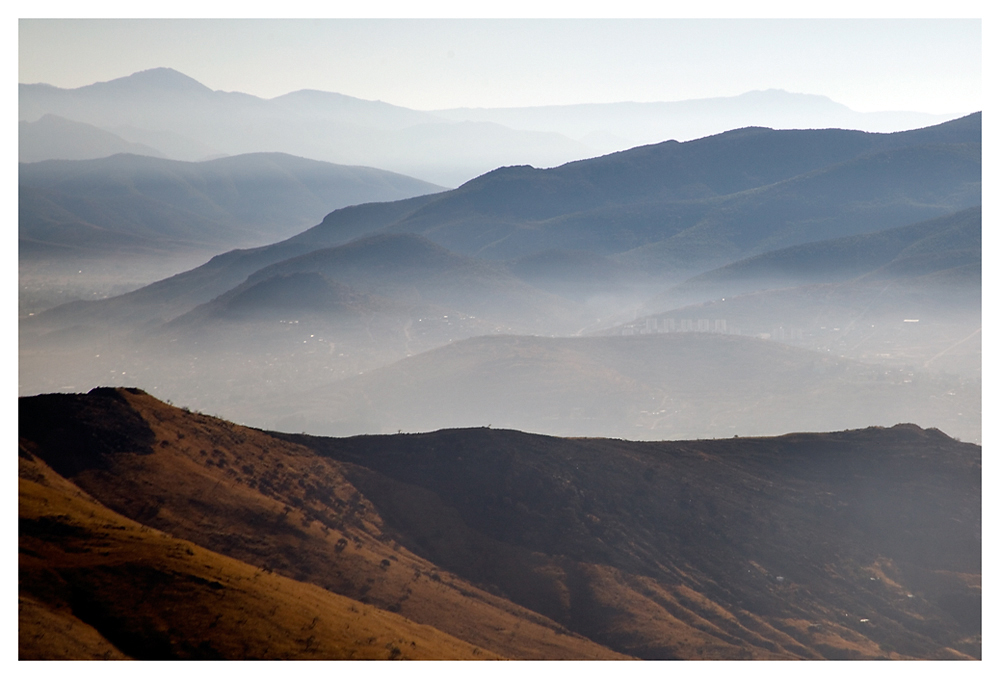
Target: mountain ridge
x=855, y=544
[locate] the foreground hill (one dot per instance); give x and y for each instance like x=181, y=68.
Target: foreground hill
x=860, y=544
x=96, y=585
x=276, y=506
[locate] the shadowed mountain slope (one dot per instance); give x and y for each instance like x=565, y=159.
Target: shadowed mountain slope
x=633, y=203
x=273, y=505
x=714, y=198
x=860, y=544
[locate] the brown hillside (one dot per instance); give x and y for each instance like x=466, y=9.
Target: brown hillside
x=862, y=544
x=858, y=544
x=94, y=584
x=272, y=504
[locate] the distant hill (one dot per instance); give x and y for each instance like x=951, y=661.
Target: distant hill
x=676, y=385
x=154, y=532
x=129, y=201
x=53, y=137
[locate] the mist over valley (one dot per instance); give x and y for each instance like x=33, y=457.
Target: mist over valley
x=675, y=380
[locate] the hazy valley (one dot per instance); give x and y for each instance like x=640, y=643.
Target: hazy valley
x=711, y=397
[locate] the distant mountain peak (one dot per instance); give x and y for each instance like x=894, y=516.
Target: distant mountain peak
x=161, y=78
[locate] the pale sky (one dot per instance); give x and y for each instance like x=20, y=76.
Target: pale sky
x=927, y=65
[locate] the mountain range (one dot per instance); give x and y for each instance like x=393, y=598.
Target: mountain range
x=152, y=532
x=184, y=120
x=590, y=247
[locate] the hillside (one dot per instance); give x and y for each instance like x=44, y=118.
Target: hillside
x=276, y=507
x=96, y=585
x=672, y=207
x=858, y=544
x=908, y=297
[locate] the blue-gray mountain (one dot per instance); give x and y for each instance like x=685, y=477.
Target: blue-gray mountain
x=185, y=120
x=131, y=202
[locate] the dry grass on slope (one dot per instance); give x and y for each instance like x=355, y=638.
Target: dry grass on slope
x=94, y=584
x=272, y=504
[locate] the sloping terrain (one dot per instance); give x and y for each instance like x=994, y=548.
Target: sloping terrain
x=709, y=200
x=96, y=585
x=862, y=544
x=273, y=505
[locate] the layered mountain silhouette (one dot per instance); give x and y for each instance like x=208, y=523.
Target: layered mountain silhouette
x=148, y=531
x=599, y=244
x=185, y=120
x=683, y=206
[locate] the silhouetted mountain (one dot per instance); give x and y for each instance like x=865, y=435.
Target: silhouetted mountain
x=53, y=137
x=237, y=201
x=857, y=544
x=674, y=206
x=617, y=126
x=320, y=125
x=444, y=147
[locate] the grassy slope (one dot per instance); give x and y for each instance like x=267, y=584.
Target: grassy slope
x=803, y=546
x=94, y=584
x=277, y=506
